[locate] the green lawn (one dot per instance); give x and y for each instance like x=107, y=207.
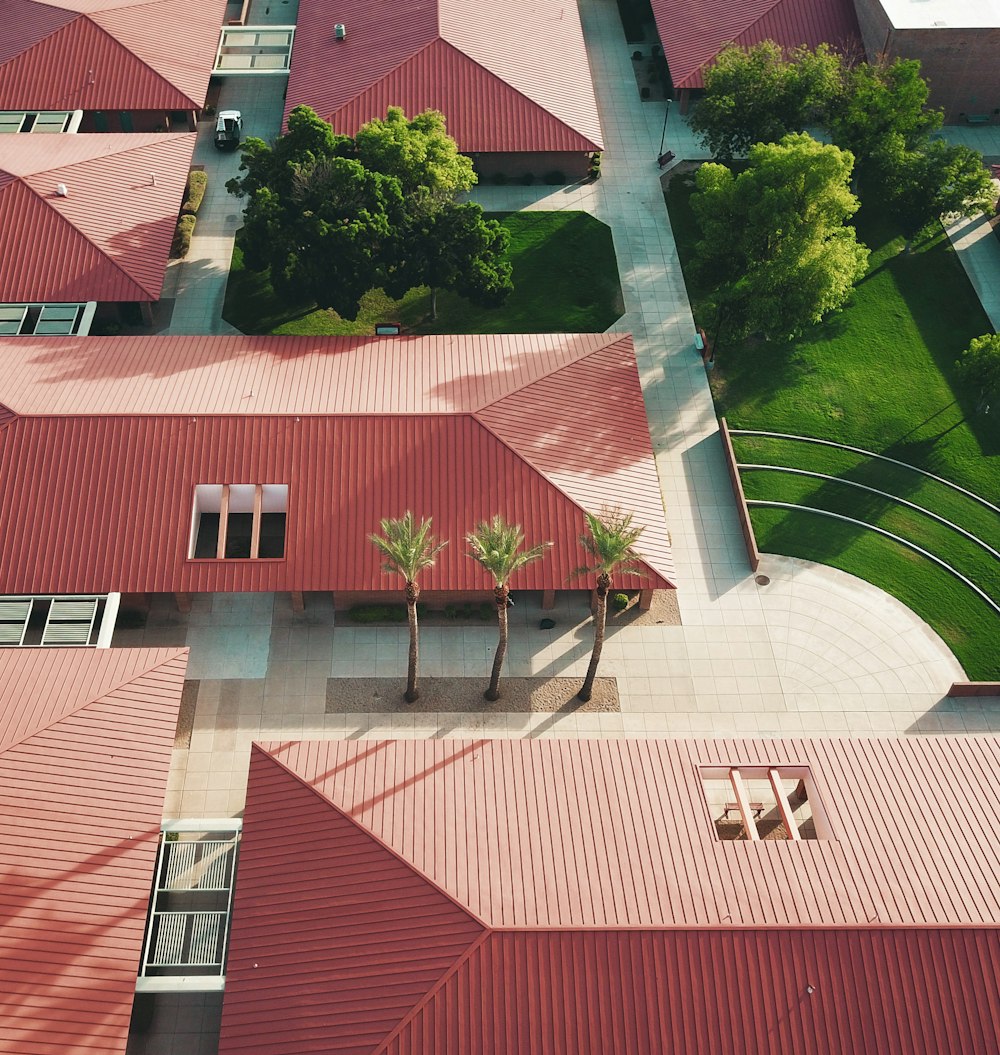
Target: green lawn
x=879, y=375
x=565, y=281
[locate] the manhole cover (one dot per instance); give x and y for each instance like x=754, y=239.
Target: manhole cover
x=761, y=580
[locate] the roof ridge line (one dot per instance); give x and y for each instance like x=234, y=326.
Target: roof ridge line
x=69, y=223
x=89, y=16
x=372, y=84
x=365, y=830
x=643, y=560
x=524, y=95
x=446, y=976
x=48, y=36
x=93, y=699
x=577, y=358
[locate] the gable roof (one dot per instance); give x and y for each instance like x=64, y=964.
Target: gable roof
x=108, y=239
x=86, y=738
x=359, y=428
x=511, y=75
x=108, y=54
x=612, y=918
x=694, y=32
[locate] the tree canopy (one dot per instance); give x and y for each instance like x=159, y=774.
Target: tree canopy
x=333, y=217
x=979, y=366
x=760, y=94
x=775, y=241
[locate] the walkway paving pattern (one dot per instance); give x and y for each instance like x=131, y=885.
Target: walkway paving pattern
x=813, y=652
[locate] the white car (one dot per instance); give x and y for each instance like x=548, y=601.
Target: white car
x=228, y=129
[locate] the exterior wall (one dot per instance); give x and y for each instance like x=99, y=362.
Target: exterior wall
x=572, y=165
x=138, y=121
x=962, y=66
x=874, y=25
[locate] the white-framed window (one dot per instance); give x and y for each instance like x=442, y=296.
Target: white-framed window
x=238, y=522
x=755, y=803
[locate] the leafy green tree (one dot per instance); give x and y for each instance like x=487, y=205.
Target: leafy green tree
x=418, y=152
x=775, y=243
x=760, y=94
x=456, y=248
x=333, y=217
x=918, y=185
x=610, y=546
x=498, y=547
x=407, y=549
x=979, y=366
x=880, y=99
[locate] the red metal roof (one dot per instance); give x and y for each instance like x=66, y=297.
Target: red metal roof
x=108, y=54
x=108, y=239
x=613, y=920
x=110, y=436
x=508, y=76
x=86, y=738
x=693, y=32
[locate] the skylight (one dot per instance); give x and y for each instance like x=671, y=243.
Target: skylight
x=239, y=521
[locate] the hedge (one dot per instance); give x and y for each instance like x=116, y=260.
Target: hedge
x=182, y=236
x=197, y=184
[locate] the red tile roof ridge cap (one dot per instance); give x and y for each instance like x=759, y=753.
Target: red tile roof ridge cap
x=173, y=654
x=650, y=572
x=90, y=16
x=524, y=95
x=471, y=949
x=44, y=199
x=365, y=830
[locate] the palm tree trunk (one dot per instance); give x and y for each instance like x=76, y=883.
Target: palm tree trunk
x=412, y=593
x=434, y=302
x=500, y=595
x=600, y=621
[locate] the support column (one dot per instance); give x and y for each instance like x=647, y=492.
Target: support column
x=645, y=600
x=146, y=312
x=183, y=601
x=298, y=601
x=548, y=600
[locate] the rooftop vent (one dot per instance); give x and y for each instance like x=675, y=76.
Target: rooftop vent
x=62, y=190
x=340, y=31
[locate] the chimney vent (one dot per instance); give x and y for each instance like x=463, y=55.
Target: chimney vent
x=340, y=31
x=62, y=190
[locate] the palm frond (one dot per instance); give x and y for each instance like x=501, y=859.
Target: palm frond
x=407, y=547
x=496, y=545
x=609, y=542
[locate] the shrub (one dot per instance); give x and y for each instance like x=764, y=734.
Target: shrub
x=377, y=613
x=194, y=195
x=528, y=178
x=182, y=236
x=636, y=55
x=487, y=610
x=644, y=92
x=555, y=178
x=500, y=179
x=619, y=602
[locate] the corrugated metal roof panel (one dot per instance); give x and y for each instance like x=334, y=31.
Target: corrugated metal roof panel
x=108, y=55
x=318, y=898
x=615, y=922
x=487, y=67
x=693, y=33
x=86, y=738
x=108, y=238
x=121, y=482
x=744, y=992
x=618, y=833
x=436, y=374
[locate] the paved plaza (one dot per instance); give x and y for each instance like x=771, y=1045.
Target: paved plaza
x=811, y=651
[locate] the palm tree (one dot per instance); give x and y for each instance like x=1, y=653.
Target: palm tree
x=608, y=542
x=407, y=549
x=497, y=546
